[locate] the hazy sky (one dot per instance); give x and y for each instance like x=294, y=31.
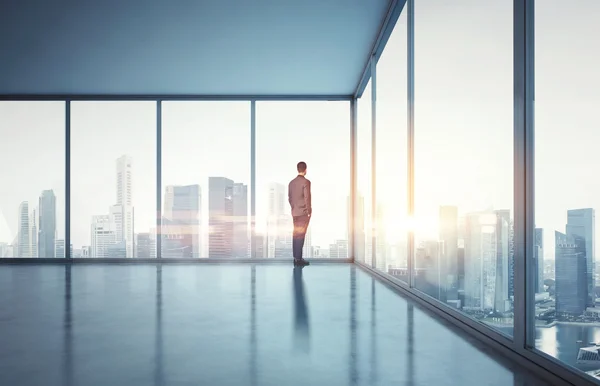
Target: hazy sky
x=463, y=138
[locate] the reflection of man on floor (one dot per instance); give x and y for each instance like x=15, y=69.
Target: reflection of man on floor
x=301, y=335
x=300, y=202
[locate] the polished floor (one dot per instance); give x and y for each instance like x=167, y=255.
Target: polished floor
x=225, y=325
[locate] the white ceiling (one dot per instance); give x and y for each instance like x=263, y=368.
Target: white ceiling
x=183, y=47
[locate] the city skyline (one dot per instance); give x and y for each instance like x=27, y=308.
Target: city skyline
x=29, y=220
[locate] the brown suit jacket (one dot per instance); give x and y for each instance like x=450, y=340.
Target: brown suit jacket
x=299, y=196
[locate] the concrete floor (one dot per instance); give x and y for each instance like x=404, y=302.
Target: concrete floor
x=227, y=325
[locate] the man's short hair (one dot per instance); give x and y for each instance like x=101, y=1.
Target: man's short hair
x=301, y=167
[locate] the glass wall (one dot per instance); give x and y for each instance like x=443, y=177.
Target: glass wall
x=391, y=162
x=565, y=270
x=464, y=157
x=113, y=179
x=32, y=175
x=363, y=230
x=317, y=133
x=205, y=178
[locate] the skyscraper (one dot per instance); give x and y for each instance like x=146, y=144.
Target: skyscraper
x=103, y=236
x=449, y=253
x=571, y=266
x=181, y=222
x=278, y=223
x=123, y=210
x=359, y=226
x=501, y=298
x=538, y=254
x=240, y=220
x=47, y=224
x=23, y=246
x=339, y=250
x=145, y=246
x=60, y=249
x=220, y=217
x=511, y=260
x=33, y=235
x=480, y=261
x=582, y=223
x=381, y=250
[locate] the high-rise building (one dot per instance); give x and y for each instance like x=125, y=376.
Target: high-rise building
x=339, y=250
x=123, y=210
x=23, y=243
x=449, y=253
x=307, y=249
x=60, y=249
x=220, y=217
x=145, y=246
x=33, y=235
x=501, y=298
x=261, y=246
x=582, y=223
x=47, y=224
x=359, y=226
x=538, y=254
x=480, y=261
x=381, y=250
x=241, y=245
x=103, y=236
x=461, y=274
x=427, y=260
x=277, y=219
x=181, y=222
x=571, y=273
x=511, y=260
x=4, y=249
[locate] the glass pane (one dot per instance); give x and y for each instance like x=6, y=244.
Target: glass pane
x=205, y=175
x=567, y=193
x=113, y=179
x=318, y=134
x=363, y=229
x=32, y=171
x=464, y=157
x=392, y=221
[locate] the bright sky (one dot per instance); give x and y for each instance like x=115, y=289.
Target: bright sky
x=463, y=139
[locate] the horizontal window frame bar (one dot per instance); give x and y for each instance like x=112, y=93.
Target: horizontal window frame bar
x=168, y=97
x=164, y=260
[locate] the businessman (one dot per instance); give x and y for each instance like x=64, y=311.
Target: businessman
x=300, y=202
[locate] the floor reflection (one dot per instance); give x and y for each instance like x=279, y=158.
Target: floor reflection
x=373, y=378
x=345, y=326
x=410, y=342
x=353, y=352
x=253, y=349
x=301, y=324
x=68, y=331
x=159, y=377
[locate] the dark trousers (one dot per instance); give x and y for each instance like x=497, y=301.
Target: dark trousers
x=300, y=227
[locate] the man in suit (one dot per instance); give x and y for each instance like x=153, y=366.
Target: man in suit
x=300, y=202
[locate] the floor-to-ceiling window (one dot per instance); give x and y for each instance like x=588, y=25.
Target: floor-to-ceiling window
x=392, y=222
x=32, y=179
x=564, y=269
x=205, y=179
x=463, y=166
x=363, y=227
x=113, y=179
x=317, y=133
